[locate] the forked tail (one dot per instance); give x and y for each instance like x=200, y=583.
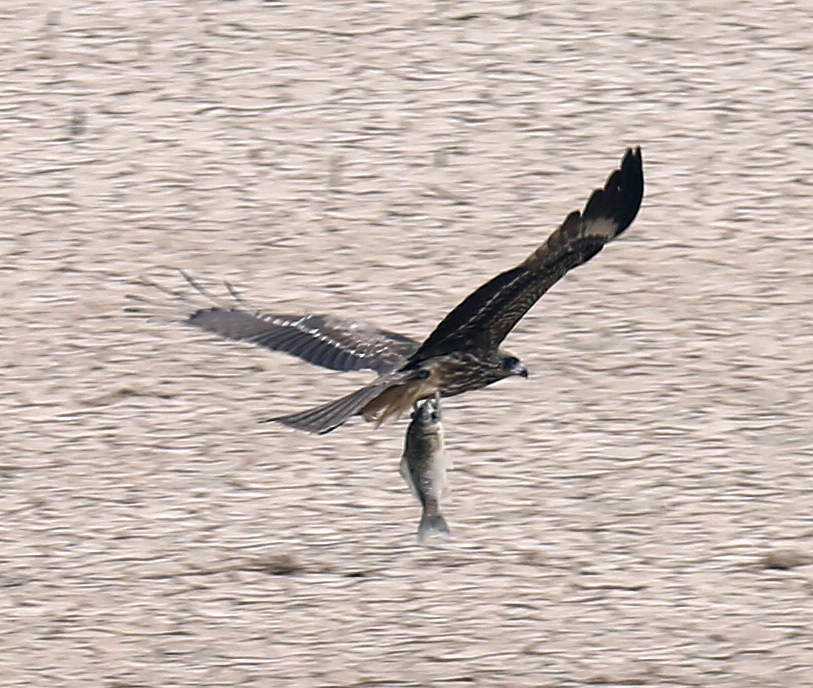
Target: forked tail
x=329, y=416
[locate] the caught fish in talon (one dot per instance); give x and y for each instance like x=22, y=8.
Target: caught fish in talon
x=463, y=353
x=424, y=465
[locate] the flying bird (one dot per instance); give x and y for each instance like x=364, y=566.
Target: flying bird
x=463, y=352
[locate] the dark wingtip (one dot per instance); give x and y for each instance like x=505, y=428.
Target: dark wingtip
x=630, y=190
x=621, y=197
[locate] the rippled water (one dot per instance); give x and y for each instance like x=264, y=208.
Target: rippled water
x=637, y=512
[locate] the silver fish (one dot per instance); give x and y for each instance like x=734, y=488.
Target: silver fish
x=424, y=464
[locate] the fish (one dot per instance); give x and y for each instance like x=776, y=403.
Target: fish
x=424, y=465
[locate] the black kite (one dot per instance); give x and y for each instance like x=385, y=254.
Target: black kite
x=462, y=353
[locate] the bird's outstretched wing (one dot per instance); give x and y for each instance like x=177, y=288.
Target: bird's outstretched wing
x=324, y=340
x=486, y=316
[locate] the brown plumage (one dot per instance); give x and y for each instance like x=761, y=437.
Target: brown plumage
x=324, y=340
x=463, y=353
x=327, y=341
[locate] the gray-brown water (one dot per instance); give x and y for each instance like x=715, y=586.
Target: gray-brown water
x=638, y=512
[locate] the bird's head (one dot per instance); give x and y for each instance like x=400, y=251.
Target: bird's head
x=511, y=365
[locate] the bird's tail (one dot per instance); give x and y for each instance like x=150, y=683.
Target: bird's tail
x=327, y=417
x=433, y=524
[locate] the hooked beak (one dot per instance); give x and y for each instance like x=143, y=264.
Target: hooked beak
x=519, y=369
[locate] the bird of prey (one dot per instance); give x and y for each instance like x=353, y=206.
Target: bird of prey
x=463, y=352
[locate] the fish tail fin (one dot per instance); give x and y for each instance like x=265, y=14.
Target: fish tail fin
x=433, y=524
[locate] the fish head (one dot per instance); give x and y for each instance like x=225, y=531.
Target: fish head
x=425, y=431
x=427, y=413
